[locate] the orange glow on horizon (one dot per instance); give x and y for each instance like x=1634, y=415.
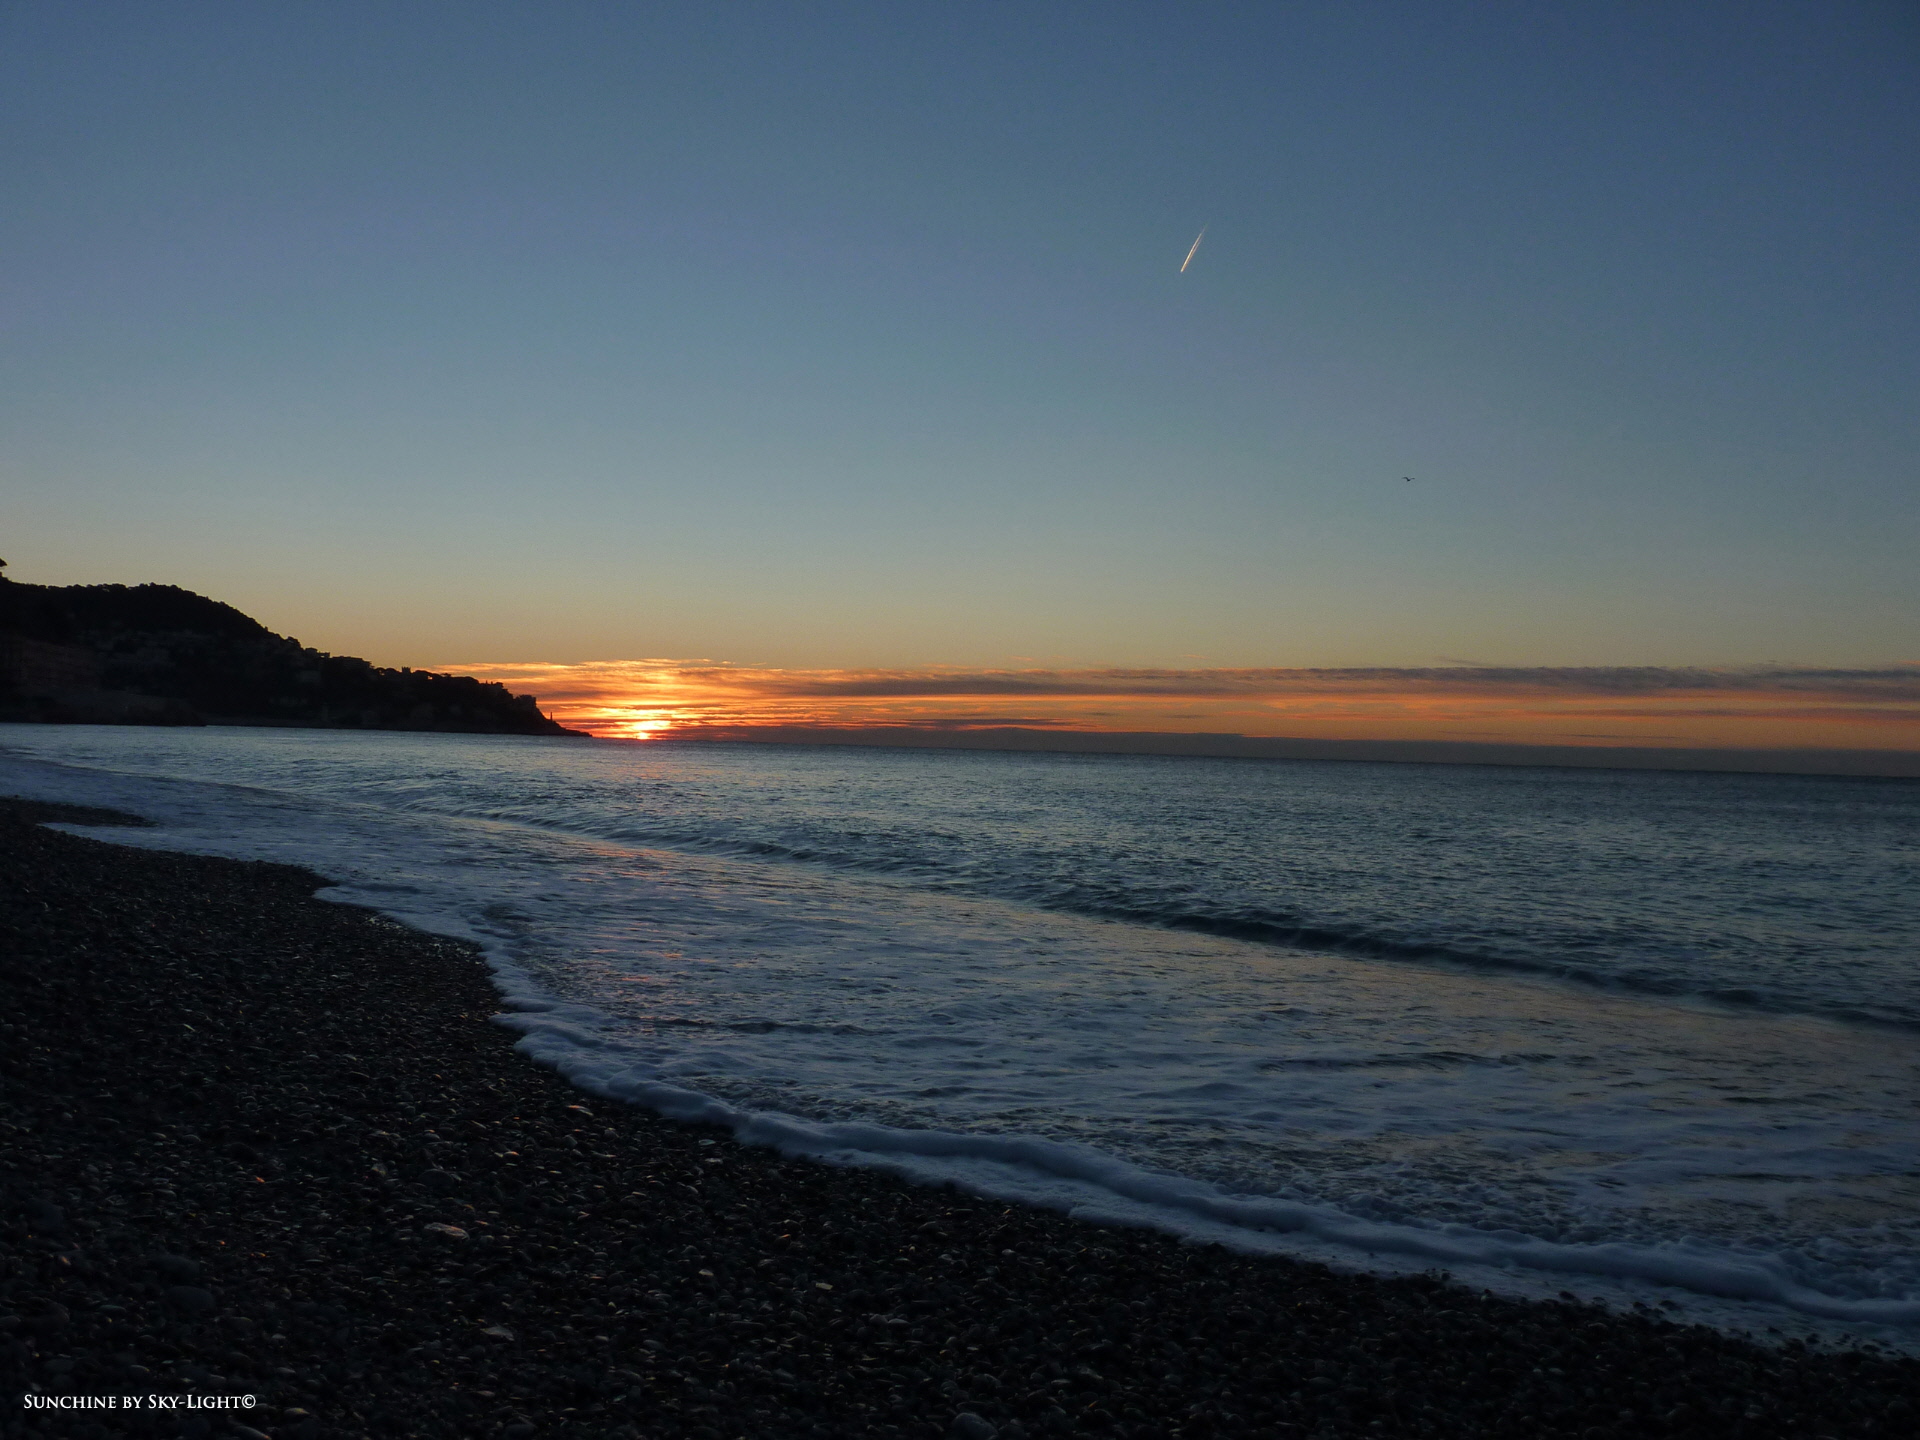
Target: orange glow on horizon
x=1758, y=708
x=619, y=723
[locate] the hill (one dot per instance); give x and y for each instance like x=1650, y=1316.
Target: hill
x=158, y=654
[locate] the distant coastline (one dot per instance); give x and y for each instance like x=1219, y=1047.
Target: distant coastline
x=161, y=655
x=1877, y=764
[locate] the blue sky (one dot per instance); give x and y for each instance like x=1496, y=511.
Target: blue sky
x=849, y=335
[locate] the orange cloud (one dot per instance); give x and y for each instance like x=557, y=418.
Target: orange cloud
x=1757, y=707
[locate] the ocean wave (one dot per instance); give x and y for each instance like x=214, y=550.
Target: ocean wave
x=1094, y=1185
x=1625, y=974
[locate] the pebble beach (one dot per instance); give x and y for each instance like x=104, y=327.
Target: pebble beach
x=236, y=1165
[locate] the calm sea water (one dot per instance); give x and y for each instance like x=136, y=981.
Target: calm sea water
x=1643, y=1036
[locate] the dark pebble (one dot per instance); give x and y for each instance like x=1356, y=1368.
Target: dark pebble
x=177, y=1268
x=48, y=1321
x=45, y=1216
x=164, y=1011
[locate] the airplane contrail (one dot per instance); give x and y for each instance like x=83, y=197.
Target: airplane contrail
x=1196, y=248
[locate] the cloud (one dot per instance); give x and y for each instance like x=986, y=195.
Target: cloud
x=1745, y=705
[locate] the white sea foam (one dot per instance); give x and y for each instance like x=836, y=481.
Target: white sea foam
x=1100, y=1187
x=1753, y=1170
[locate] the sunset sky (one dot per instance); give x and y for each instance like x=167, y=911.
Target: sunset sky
x=1661, y=707
x=840, y=355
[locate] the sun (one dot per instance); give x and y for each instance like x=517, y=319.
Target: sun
x=639, y=727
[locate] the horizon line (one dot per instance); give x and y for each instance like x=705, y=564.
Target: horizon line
x=1747, y=708
x=1205, y=745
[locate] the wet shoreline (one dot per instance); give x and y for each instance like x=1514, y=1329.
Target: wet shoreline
x=218, y=1085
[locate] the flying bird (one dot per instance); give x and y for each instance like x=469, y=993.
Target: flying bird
x=1196, y=248
x=1407, y=478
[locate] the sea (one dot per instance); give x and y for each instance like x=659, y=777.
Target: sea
x=1643, y=1038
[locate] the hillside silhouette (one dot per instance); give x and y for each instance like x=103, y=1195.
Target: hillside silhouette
x=158, y=654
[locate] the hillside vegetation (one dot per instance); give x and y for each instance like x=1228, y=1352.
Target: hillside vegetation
x=217, y=665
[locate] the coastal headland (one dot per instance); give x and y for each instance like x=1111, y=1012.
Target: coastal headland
x=253, y=1144
x=161, y=655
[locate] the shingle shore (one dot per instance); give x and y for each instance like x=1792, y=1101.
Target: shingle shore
x=253, y=1143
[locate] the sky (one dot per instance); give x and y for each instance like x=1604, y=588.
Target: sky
x=605, y=342
x=1771, y=709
